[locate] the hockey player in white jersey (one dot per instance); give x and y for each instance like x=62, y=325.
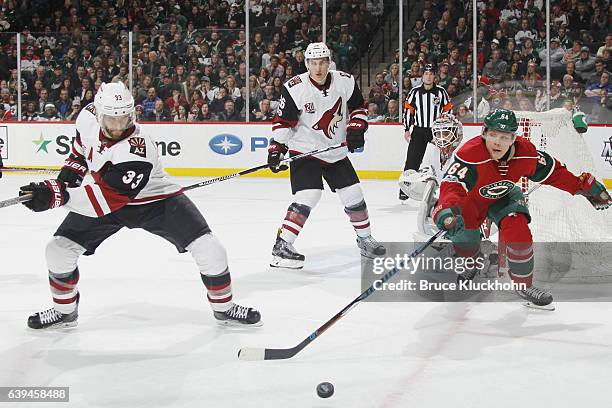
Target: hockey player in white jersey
x=317, y=109
x=129, y=189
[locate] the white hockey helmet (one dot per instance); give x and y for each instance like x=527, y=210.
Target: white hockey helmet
x=447, y=132
x=114, y=109
x=316, y=50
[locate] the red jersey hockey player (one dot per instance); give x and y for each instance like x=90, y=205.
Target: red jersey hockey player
x=130, y=189
x=481, y=182
x=317, y=109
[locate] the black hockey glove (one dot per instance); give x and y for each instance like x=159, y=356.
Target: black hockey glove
x=74, y=171
x=46, y=195
x=276, y=153
x=355, y=130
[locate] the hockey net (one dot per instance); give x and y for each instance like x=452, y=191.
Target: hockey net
x=559, y=217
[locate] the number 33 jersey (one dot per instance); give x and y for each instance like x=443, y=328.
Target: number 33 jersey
x=125, y=172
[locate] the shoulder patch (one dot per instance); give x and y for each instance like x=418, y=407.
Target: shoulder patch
x=91, y=109
x=138, y=146
x=294, y=81
x=344, y=74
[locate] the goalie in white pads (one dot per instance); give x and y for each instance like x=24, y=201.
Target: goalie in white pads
x=318, y=109
x=130, y=189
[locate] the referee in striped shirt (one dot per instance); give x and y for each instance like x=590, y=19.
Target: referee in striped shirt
x=422, y=107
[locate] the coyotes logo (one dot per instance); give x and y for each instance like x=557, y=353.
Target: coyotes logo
x=330, y=119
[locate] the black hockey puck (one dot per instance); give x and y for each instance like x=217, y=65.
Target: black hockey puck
x=325, y=390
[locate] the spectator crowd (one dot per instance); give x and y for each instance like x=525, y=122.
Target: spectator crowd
x=511, y=57
x=189, y=56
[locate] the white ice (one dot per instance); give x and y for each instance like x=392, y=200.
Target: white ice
x=146, y=336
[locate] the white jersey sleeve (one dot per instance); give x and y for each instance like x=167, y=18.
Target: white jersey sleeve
x=126, y=172
x=312, y=116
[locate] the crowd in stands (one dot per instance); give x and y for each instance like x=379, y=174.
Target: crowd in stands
x=189, y=61
x=511, y=57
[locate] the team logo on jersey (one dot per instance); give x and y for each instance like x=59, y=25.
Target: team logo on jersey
x=309, y=107
x=294, y=81
x=225, y=144
x=436, y=100
x=496, y=190
x=330, y=119
x=138, y=146
x=607, y=151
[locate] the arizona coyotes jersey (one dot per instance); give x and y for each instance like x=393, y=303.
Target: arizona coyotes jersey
x=125, y=172
x=476, y=181
x=312, y=116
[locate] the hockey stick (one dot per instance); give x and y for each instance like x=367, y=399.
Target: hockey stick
x=17, y=200
x=46, y=170
x=260, y=167
x=257, y=354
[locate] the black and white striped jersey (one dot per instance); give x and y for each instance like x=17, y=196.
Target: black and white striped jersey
x=422, y=107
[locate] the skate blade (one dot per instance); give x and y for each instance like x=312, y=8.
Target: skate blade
x=57, y=326
x=234, y=323
x=286, y=263
x=548, y=308
x=370, y=255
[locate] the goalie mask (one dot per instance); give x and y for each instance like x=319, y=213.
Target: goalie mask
x=114, y=109
x=447, y=133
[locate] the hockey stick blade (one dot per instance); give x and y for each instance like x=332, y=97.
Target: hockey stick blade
x=258, y=354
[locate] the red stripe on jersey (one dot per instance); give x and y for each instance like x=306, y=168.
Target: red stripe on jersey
x=94, y=201
x=278, y=121
x=114, y=199
x=287, y=227
x=76, y=152
x=358, y=112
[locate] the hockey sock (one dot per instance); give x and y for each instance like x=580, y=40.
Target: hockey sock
x=64, y=290
x=294, y=221
x=516, y=236
x=358, y=215
x=219, y=288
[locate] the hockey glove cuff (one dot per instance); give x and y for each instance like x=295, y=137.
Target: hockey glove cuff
x=276, y=153
x=73, y=172
x=449, y=219
x=46, y=195
x=355, y=131
x=594, y=191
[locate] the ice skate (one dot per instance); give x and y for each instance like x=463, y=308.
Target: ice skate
x=536, y=298
x=52, y=319
x=370, y=248
x=284, y=255
x=239, y=316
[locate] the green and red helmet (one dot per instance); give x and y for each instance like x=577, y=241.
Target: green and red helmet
x=503, y=120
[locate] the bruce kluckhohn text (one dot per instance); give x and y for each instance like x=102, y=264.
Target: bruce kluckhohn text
x=425, y=285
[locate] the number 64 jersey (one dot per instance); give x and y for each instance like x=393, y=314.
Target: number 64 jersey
x=125, y=172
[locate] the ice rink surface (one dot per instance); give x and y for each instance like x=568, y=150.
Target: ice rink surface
x=147, y=338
